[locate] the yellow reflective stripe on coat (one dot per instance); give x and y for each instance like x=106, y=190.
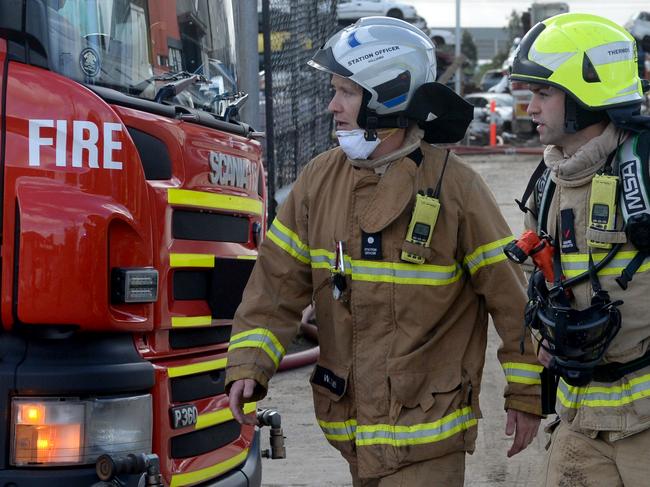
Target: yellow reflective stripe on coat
x=404, y=273
x=417, y=434
x=522, y=373
x=385, y=434
x=487, y=254
x=390, y=272
x=576, y=264
x=288, y=241
x=339, y=430
x=259, y=338
x=603, y=396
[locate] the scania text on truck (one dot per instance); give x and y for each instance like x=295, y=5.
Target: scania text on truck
x=133, y=205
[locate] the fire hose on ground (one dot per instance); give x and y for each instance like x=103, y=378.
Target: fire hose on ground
x=304, y=357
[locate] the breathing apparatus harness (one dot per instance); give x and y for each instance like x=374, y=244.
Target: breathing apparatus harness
x=578, y=339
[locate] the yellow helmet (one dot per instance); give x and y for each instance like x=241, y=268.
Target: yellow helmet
x=589, y=57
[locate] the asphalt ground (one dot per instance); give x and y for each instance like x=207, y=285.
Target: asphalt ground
x=311, y=461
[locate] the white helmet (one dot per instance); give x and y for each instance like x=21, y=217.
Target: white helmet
x=387, y=57
x=395, y=64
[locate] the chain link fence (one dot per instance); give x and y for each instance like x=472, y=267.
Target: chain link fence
x=299, y=126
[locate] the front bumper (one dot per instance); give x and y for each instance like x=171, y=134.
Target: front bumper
x=248, y=474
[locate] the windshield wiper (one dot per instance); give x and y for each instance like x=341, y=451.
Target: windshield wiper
x=171, y=77
x=175, y=87
x=232, y=110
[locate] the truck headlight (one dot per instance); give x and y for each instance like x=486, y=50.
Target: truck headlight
x=134, y=285
x=66, y=431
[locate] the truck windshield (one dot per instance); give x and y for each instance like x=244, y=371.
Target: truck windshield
x=138, y=46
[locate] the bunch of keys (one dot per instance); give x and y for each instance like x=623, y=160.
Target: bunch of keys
x=338, y=272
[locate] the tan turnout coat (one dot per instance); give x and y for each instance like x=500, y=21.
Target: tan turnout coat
x=402, y=352
x=621, y=407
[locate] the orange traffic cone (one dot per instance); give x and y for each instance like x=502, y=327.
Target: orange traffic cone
x=493, y=123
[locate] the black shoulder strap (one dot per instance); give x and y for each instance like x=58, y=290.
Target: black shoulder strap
x=532, y=182
x=543, y=197
x=631, y=165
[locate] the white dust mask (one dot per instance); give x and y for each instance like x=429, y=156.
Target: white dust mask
x=355, y=145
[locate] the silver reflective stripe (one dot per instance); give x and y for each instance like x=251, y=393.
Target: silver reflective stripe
x=295, y=246
x=400, y=273
x=483, y=256
x=400, y=436
x=604, y=396
x=522, y=373
x=613, y=52
x=584, y=265
x=550, y=60
x=344, y=432
x=632, y=87
x=623, y=98
x=322, y=259
x=259, y=338
x=528, y=374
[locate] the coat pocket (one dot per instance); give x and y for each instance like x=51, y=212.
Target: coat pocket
x=425, y=414
x=334, y=409
x=330, y=381
x=420, y=391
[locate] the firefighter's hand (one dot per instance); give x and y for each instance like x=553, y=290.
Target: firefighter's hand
x=524, y=426
x=239, y=391
x=543, y=356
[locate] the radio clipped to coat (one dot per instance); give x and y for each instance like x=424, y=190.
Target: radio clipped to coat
x=424, y=219
x=602, y=206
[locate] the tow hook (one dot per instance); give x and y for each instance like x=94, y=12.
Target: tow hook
x=108, y=468
x=270, y=417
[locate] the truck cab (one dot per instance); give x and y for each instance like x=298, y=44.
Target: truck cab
x=133, y=205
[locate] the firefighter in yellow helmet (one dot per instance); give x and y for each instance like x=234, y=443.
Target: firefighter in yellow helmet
x=399, y=244
x=589, y=200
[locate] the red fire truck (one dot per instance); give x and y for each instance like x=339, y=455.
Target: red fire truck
x=133, y=204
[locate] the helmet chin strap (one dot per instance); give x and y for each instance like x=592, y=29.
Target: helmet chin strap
x=577, y=118
x=370, y=121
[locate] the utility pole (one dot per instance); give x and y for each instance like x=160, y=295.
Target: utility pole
x=459, y=70
x=268, y=96
x=247, y=60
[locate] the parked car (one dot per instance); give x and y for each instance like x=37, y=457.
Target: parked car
x=504, y=104
x=351, y=10
x=442, y=37
x=503, y=86
x=639, y=27
x=490, y=78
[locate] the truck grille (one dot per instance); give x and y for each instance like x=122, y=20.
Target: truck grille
x=211, y=227
x=205, y=440
x=198, y=386
x=199, y=337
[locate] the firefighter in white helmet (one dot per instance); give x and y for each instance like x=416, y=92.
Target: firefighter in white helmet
x=399, y=244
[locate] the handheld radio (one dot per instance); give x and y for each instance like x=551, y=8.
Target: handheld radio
x=423, y=220
x=602, y=206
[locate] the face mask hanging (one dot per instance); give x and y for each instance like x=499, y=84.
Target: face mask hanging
x=355, y=145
